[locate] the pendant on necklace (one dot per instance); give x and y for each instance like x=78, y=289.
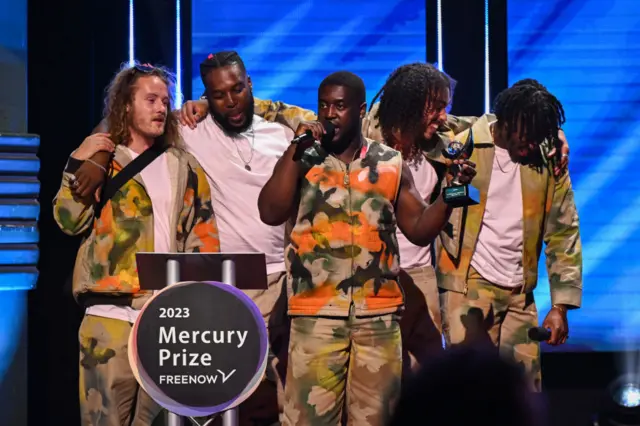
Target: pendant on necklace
x=247, y=167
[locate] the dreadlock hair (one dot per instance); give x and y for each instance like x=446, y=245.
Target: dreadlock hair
x=120, y=93
x=529, y=110
x=349, y=80
x=219, y=60
x=403, y=98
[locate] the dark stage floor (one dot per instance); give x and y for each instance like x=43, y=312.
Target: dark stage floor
x=575, y=384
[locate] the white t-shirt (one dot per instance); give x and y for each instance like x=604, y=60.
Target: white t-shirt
x=235, y=190
x=498, y=254
x=411, y=255
x=156, y=180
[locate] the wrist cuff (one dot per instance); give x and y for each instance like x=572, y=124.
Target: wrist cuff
x=73, y=164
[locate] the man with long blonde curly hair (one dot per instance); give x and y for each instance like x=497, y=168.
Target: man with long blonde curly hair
x=118, y=112
x=140, y=215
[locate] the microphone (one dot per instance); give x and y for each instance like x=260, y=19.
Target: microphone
x=539, y=334
x=307, y=136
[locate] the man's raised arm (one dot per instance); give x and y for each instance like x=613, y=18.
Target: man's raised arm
x=277, y=198
x=89, y=175
x=420, y=223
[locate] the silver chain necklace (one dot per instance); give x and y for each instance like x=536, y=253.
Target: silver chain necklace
x=246, y=163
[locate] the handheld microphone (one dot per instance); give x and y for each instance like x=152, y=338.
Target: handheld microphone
x=307, y=136
x=539, y=334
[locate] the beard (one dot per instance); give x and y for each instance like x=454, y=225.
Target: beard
x=146, y=127
x=227, y=127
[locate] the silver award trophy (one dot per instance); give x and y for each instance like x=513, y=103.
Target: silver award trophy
x=459, y=194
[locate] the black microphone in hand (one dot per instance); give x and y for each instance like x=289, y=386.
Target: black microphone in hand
x=308, y=135
x=539, y=334
x=307, y=138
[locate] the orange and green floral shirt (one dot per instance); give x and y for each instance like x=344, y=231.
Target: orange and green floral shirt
x=343, y=248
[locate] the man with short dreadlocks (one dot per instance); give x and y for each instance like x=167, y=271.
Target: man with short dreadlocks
x=411, y=111
x=487, y=258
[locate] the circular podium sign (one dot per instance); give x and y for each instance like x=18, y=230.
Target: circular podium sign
x=199, y=348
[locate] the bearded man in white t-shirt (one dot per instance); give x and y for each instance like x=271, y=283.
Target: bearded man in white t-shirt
x=238, y=150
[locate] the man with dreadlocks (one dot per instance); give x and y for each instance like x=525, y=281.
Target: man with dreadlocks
x=487, y=260
x=412, y=109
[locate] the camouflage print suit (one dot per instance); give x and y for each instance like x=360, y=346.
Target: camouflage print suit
x=105, y=273
x=420, y=333
x=473, y=307
x=344, y=297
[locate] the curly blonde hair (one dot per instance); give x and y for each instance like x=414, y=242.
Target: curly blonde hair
x=120, y=94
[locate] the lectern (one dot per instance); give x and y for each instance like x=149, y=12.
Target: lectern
x=246, y=271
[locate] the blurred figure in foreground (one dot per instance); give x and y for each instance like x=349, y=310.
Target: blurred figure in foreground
x=484, y=388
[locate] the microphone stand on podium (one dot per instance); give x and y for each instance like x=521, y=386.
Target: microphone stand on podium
x=246, y=271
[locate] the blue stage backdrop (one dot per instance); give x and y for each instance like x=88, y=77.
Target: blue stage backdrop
x=19, y=210
x=587, y=52
x=584, y=51
x=290, y=46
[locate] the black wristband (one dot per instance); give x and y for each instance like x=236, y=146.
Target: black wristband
x=73, y=164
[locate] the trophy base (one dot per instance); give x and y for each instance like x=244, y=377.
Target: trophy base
x=461, y=195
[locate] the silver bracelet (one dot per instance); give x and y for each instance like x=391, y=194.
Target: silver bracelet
x=96, y=164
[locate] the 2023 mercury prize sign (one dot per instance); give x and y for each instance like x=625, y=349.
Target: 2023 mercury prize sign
x=199, y=348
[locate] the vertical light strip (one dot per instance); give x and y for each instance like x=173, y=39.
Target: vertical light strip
x=439, y=18
x=487, y=86
x=178, y=94
x=131, y=52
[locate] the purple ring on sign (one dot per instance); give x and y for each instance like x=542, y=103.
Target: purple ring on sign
x=173, y=406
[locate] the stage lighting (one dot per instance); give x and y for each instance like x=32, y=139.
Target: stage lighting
x=622, y=404
x=628, y=395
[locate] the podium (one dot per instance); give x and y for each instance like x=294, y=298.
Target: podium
x=245, y=271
